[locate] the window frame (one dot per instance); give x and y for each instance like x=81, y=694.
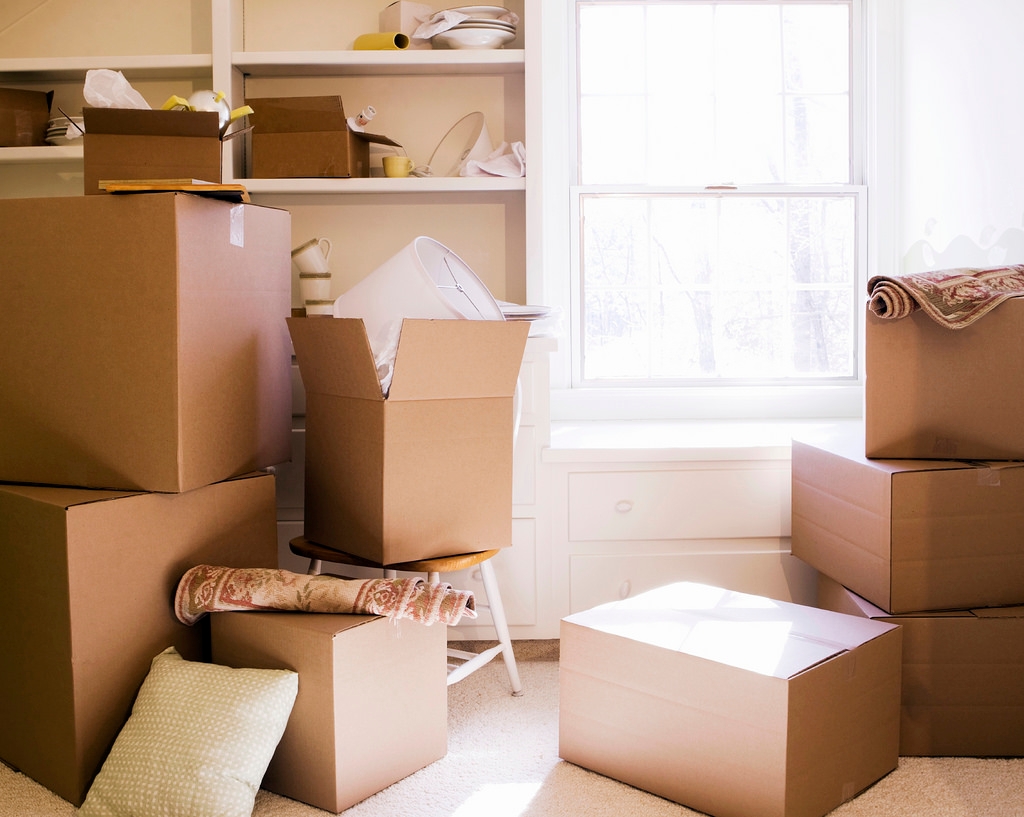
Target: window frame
x=824, y=398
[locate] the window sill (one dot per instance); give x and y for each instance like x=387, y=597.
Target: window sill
x=684, y=440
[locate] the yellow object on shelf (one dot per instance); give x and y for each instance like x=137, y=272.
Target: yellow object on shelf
x=382, y=41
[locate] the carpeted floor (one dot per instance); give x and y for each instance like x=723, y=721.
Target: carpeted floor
x=503, y=761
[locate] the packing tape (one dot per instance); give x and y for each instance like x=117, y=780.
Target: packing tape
x=236, y=225
x=989, y=476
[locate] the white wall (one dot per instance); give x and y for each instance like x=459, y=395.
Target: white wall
x=961, y=155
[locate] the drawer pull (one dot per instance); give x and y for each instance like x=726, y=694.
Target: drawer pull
x=624, y=505
x=625, y=589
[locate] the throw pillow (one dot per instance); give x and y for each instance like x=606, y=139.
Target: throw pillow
x=197, y=743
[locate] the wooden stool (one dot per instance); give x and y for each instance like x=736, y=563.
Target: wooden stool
x=461, y=663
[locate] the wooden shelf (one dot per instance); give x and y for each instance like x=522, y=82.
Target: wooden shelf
x=474, y=184
x=345, y=63
x=63, y=69
x=44, y=154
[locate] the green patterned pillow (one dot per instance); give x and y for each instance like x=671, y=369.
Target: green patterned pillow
x=198, y=741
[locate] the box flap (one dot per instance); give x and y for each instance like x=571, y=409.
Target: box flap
x=761, y=635
x=298, y=114
x=443, y=359
x=334, y=357
x=375, y=138
x=128, y=121
x=64, y=497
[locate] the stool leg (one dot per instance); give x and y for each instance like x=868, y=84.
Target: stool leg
x=500, y=624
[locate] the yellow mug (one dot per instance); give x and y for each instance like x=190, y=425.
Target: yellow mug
x=397, y=167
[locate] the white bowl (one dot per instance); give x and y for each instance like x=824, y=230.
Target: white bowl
x=472, y=38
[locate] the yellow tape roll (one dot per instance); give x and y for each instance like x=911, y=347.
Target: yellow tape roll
x=384, y=41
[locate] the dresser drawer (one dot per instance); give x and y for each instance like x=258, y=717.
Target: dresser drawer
x=597, y=579
x=699, y=503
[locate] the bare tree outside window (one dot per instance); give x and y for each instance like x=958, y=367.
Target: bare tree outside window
x=717, y=197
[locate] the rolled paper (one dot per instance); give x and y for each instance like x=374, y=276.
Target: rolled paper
x=382, y=41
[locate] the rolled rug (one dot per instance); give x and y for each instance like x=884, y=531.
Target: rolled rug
x=954, y=298
x=209, y=589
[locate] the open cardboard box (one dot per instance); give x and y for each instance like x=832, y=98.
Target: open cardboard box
x=295, y=137
x=143, y=345
x=23, y=117
x=963, y=676
x=123, y=143
x=89, y=603
x=372, y=706
x=910, y=535
x=426, y=471
x=937, y=393
x=732, y=704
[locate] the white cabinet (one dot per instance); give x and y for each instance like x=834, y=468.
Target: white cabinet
x=630, y=522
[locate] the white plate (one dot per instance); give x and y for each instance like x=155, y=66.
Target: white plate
x=475, y=23
x=523, y=312
x=478, y=38
x=483, y=11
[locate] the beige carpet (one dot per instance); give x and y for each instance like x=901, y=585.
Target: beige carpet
x=503, y=761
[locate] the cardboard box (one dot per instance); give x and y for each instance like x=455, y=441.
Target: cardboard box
x=121, y=143
x=936, y=393
x=427, y=471
x=296, y=137
x=910, y=535
x=731, y=704
x=372, y=706
x=89, y=602
x=23, y=117
x=406, y=17
x=963, y=676
x=144, y=343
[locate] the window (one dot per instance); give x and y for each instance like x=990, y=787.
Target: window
x=718, y=196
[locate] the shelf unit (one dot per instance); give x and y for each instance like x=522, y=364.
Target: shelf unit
x=486, y=219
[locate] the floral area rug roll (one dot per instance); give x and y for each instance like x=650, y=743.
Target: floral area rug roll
x=209, y=589
x=954, y=298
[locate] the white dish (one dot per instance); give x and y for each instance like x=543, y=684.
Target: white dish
x=495, y=24
x=478, y=38
x=483, y=11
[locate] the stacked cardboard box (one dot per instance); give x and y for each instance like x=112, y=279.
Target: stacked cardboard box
x=145, y=362
x=919, y=520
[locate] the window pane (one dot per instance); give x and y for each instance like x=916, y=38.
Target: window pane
x=683, y=287
x=703, y=93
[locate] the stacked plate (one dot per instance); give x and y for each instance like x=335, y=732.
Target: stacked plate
x=57, y=130
x=485, y=27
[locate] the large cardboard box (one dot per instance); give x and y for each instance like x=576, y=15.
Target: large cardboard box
x=910, y=535
x=731, y=704
x=963, y=676
x=296, y=137
x=426, y=471
x=143, y=344
x=23, y=117
x=372, y=706
x=122, y=143
x=88, y=602
x=937, y=393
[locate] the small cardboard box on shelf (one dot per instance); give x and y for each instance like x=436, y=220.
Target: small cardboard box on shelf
x=308, y=137
x=426, y=471
x=128, y=144
x=23, y=117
